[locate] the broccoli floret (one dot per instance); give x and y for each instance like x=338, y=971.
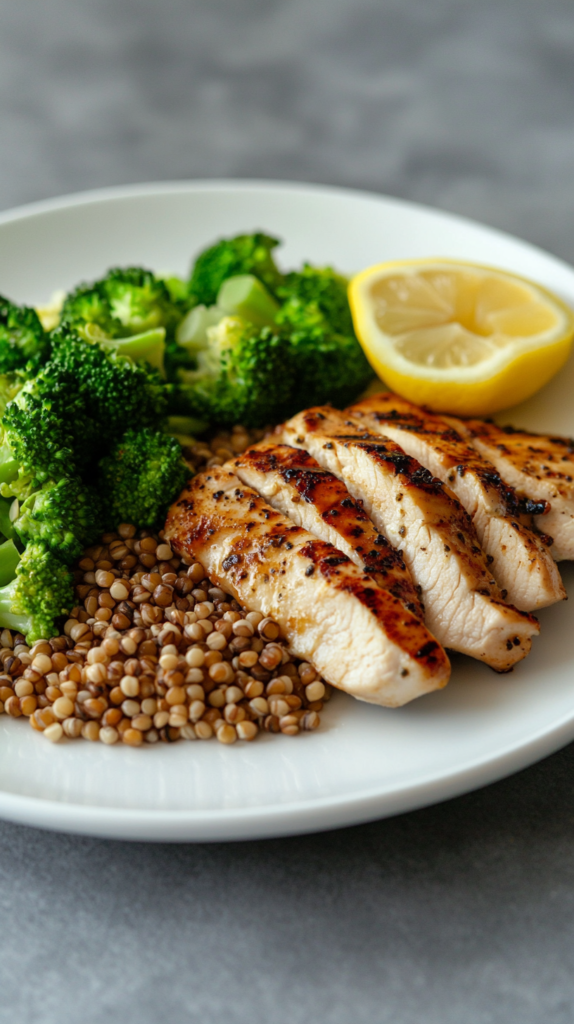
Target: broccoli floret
x=244, y=375
x=39, y=594
x=125, y=302
x=130, y=309
x=242, y=295
x=113, y=389
x=178, y=291
x=244, y=254
x=64, y=419
x=140, y=478
x=23, y=341
x=11, y=384
x=65, y=515
x=330, y=363
x=46, y=430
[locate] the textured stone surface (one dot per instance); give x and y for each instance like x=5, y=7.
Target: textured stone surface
x=462, y=912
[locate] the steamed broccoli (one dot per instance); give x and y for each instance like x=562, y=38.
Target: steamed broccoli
x=9, y=560
x=10, y=385
x=123, y=303
x=39, y=594
x=6, y=525
x=65, y=419
x=244, y=254
x=131, y=310
x=23, y=341
x=308, y=309
x=244, y=375
x=46, y=429
x=64, y=514
x=330, y=364
x=113, y=390
x=140, y=477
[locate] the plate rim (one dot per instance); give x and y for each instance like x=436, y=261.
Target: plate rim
x=175, y=186
x=295, y=817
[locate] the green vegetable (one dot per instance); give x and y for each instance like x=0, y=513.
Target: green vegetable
x=39, y=594
x=330, y=364
x=23, y=341
x=141, y=476
x=245, y=296
x=123, y=303
x=148, y=347
x=191, y=335
x=47, y=431
x=112, y=389
x=323, y=360
x=185, y=429
x=6, y=524
x=244, y=254
x=130, y=309
x=177, y=288
x=244, y=375
x=11, y=384
x=65, y=515
x=55, y=429
x=9, y=559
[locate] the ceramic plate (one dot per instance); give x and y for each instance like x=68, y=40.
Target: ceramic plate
x=364, y=762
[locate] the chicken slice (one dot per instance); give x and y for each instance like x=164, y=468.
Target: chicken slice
x=359, y=637
x=519, y=557
x=463, y=606
x=294, y=483
x=537, y=465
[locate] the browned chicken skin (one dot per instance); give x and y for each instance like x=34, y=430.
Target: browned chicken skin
x=463, y=605
x=519, y=557
x=537, y=465
x=295, y=484
x=358, y=636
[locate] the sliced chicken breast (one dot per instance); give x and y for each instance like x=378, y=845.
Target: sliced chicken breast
x=359, y=637
x=463, y=606
x=537, y=465
x=519, y=557
x=295, y=484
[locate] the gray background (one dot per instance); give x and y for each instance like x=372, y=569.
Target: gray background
x=458, y=913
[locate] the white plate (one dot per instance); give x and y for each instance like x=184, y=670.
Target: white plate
x=364, y=762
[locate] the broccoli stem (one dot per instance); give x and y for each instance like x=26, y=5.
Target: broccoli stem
x=149, y=346
x=191, y=333
x=6, y=524
x=176, y=286
x=8, y=465
x=245, y=296
x=9, y=558
x=183, y=426
x=9, y=619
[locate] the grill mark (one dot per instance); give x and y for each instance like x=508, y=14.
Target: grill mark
x=315, y=485
x=426, y=426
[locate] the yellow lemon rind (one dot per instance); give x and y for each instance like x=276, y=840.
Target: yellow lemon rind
x=516, y=382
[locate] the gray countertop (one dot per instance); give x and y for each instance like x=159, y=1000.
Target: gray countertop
x=458, y=913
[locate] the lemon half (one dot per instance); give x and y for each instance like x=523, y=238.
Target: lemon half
x=459, y=337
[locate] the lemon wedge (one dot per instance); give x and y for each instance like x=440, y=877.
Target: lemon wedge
x=459, y=337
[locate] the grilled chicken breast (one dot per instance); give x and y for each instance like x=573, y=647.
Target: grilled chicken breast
x=295, y=484
x=359, y=637
x=463, y=607
x=519, y=558
x=537, y=465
